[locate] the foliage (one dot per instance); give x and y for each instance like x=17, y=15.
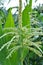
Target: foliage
x=3, y=14
x=10, y=20
x=16, y=43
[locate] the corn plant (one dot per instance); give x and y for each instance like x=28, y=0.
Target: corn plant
x=15, y=43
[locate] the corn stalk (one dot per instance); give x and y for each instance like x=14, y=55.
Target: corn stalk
x=20, y=13
x=20, y=26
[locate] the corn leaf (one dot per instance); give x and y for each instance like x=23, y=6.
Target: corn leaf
x=9, y=20
x=0, y=28
x=26, y=15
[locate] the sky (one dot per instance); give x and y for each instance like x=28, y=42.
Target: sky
x=37, y=3
x=16, y=3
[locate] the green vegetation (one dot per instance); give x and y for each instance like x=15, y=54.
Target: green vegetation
x=21, y=45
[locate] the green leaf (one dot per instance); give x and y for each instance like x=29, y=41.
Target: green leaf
x=0, y=27
x=4, y=52
x=30, y=5
x=26, y=15
x=9, y=20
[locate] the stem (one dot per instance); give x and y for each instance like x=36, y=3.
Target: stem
x=22, y=50
x=20, y=13
x=21, y=62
